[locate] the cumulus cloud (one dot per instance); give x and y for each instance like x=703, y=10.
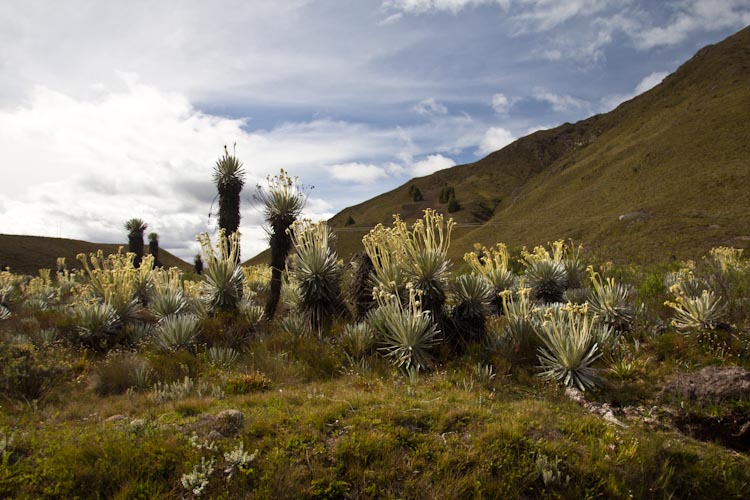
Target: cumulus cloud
x=650, y=82
x=647, y=83
x=500, y=103
x=88, y=165
x=544, y=15
x=357, y=172
x=422, y=6
x=429, y=107
x=694, y=16
x=430, y=165
x=83, y=166
x=559, y=103
x=495, y=138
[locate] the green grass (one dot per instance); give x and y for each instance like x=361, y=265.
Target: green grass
x=336, y=439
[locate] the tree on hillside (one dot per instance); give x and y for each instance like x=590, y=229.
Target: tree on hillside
x=153, y=248
x=198, y=264
x=446, y=193
x=281, y=203
x=453, y=205
x=415, y=193
x=229, y=178
x=136, y=228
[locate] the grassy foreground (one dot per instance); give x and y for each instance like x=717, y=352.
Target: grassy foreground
x=316, y=429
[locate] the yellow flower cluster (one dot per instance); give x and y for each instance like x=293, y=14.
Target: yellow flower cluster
x=227, y=247
x=113, y=279
x=390, y=248
x=560, y=251
x=727, y=258
x=494, y=260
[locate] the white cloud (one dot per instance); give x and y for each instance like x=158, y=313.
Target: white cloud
x=495, y=138
x=422, y=6
x=647, y=83
x=357, y=172
x=544, y=15
x=83, y=166
x=536, y=128
x=392, y=19
x=650, y=82
x=694, y=16
x=429, y=107
x=500, y=103
x=431, y=164
x=559, y=103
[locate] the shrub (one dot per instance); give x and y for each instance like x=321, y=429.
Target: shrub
x=408, y=332
x=171, y=366
x=547, y=279
x=569, y=349
x=246, y=383
x=168, y=302
x=705, y=312
x=222, y=277
x=415, y=193
x=520, y=326
x=473, y=303
x=96, y=324
x=358, y=340
x=453, y=205
x=446, y=193
x=493, y=265
x=317, y=274
x=119, y=373
x=222, y=357
x=425, y=261
x=609, y=300
x=293, y=324
x=177, y=332
x=25, y=373
x=359, y=292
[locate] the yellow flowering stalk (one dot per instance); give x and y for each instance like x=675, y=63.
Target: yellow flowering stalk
x=609, y=300
x=316, y=273
x=408, y=332
x=697, y=313
x=222, y=275
x=112, y=280
x=493, y=266
x=385, y=247
x=570, y=346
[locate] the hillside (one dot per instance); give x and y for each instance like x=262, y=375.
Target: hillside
x=665, y=173
x=27, y=254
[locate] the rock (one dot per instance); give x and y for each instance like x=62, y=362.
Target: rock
x=712, y=384
x=115, y=418
x=224, y=424
x=730, y=425
x=215, y=435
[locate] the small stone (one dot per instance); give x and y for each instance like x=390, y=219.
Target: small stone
x=137, y=422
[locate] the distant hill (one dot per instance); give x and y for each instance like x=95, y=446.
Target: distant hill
x=28, y=254
x=666, y=173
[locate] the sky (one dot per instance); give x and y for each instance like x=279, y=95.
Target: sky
x=111, y=110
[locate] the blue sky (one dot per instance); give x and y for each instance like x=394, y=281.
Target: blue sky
x=113, y=110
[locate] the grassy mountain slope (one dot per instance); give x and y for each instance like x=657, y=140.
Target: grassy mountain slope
x=27, y=254
x=666, y=173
